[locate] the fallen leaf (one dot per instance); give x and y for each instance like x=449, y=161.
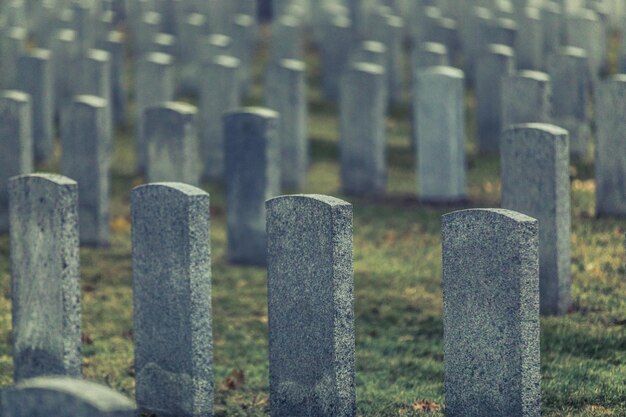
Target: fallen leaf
x=235, y=380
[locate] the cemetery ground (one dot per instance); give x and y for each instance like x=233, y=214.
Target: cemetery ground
x=397, y=280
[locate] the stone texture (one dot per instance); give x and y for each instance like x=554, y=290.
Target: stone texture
x=497, y=62
x=45, y=287
x=62, y=396
x=569, y=75
x=154, y=84
x=87, y=151
x=491, y=314
x=362, y=142
x=252, y=176
x=219, y=92
x=526, y=98
x=172, y=142
x=310, y=306
x=535, y=181
x=172, y=300
x=610, y=163
x=286, y=94
x=16, y=145
x=34, y=77
x=439, y=115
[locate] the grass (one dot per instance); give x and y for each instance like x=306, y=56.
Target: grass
x=397, y=278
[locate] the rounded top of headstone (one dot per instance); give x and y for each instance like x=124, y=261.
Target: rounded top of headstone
x=535, y=75
x=552, y=7
x=506, y=23
x=175, y=106
x=532, y=13
x=573, y=51
x=90, y=100
x=434, y=47
x=447, y=23
x=17, y=32
x=195, y=19
x=98, y=396
x=52, y=178
x=482, y=12
x=243, y=20
x=395, y=21
x=548, y=128
x=499, y=49
x=159, y=58
x=98, y=55
x=617, y=78
x=367, y=67
x=288, y=20
x=65, y=35
x=227, y=61
x=186, y=189
x=293, y=64
x=340, y=21
x=325, y=199
x=39, y=53
x=164, y=39
x=115, y=36
x=432, y=12
x=487, y=213
x=373, y=46
x=16, y=95
x=262, y=112
x=444, y=70
x=585, y=14
x=219, y=39
x=152, y=18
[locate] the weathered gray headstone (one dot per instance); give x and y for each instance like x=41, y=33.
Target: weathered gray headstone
x=585, y=30
x=12, y=46
x=334, y=53
x=372, y=52
x=526, y=98
x=286, y=39
x=502, y=31
x=87, y=151
x=493, y=65
x=84, y=25
x=113, y=43
x=310, y=306
x=553, y=27
x=64, y=51
x=570, y=78
x=286, y=94
x=610, y=164
x=439, y=115
x=16, y=145
x=252, y=176
x=94, y=79
x=171, y=139
x=535, y=181
x=43, y=210
x=154, y=84
x=172, y=300
x=529, y=41
x=491, y=314
x=429, y=54
x=243, y=32
x=146, y=28
x=34, y=77
x=219, y=92
x=389, y=30
x=62, y=396
x=362, y=141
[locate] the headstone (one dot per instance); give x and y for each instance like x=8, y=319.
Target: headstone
x=219, y=92
x=429, y=54
x=56, y=396
x=95, y=80
x=475, y=39
x=113, y=43
x=535, y=181
x=553, y=27
x=497, y=62
x=192, y=31
x=502, y=31
x=362, y=143
x=34, y=77
x=334, y=54
x=43, y=210
x=16, y=145
x=83, y=24
x=585, y=30
x=389, y=30
x=570, y=78
x=286, y=94
x=529, y=41
x=310, y=306
x=526, y=98
x=439, y=115
x=286, y=39
x=165, y=44
x=252, y=176
x=64, y=50
x=154, y=84
x=172, y=300
x=610, y=164
x=244, y=38
x=87, y=151
x=172, y=143
x=372, y=52
x=12, y=46
x=147, y=27
x=491, y=314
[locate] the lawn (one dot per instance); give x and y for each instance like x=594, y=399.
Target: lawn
x=397, y=280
